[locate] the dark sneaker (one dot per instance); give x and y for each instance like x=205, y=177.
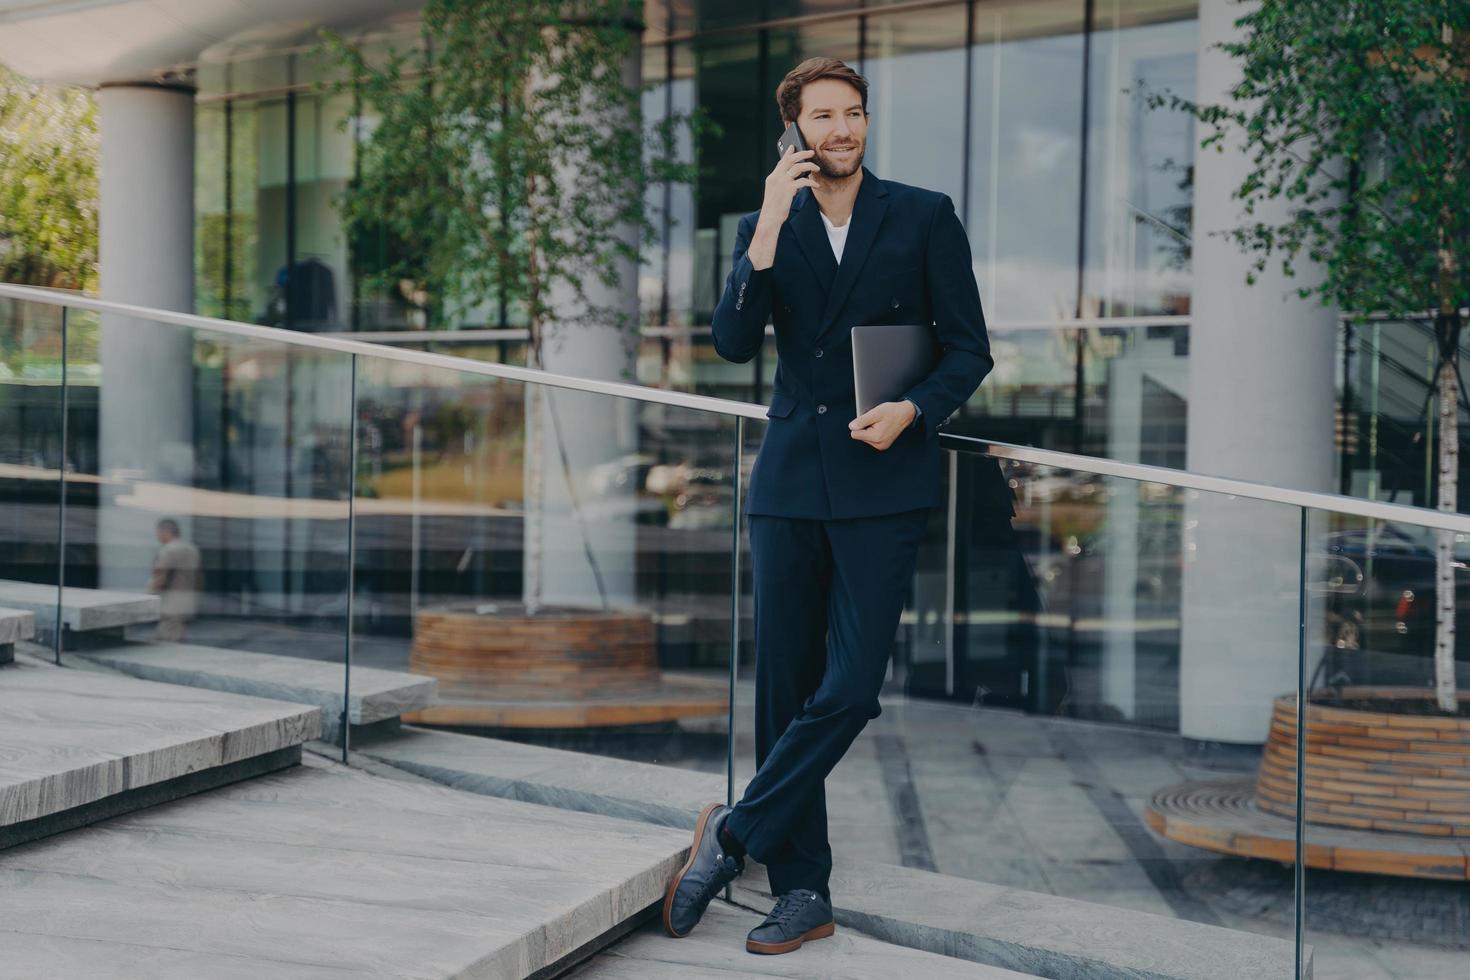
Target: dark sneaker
x=799, y=915
x=708, y=870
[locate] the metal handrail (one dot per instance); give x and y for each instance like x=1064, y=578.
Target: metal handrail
x=293, y=338
x=656, y=331
x=1183, y=479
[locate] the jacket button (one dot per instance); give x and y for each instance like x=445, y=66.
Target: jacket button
x=821, y=409
x=817, y=352
x=895, y=302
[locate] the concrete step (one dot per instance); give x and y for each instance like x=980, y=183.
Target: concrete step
x=77, y=747
x=1036, y=933
x=82, y=610
x=1032, y=932
x=321, y=871
x=716, y=948
x=15, y=625
x=376, y=695
x=554, y=777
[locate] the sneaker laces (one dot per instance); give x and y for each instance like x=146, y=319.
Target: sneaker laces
x=788, y=905
x=711, y=882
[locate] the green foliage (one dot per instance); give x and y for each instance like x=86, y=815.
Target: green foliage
x=1358, y=114
x=48, y=185
x=506, y=158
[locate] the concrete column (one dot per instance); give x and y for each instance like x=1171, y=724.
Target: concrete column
x=1128, y=376
x=146, y=256
x=597, y=434
x=1261, y=403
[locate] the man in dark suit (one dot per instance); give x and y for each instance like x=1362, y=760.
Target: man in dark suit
x=838, y=504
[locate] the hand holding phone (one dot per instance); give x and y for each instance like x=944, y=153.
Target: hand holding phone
x=792, y=172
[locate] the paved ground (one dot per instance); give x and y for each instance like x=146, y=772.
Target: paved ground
x=716, y=949
x=1052, y=805
x=1056, y=805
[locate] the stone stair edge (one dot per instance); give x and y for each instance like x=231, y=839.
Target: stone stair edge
x=601, y=785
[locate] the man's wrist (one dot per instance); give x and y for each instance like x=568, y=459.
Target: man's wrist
x=762, y=248
x=917, y=413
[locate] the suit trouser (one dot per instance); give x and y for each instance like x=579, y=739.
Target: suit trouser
x=828, y=596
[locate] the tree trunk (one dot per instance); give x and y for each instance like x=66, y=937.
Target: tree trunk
x=1444, y=541
x=1447, y=330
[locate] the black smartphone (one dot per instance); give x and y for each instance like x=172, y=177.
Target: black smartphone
x=791, y=138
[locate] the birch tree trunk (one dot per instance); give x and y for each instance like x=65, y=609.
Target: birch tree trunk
x=1444, y=541
x=1447, y=330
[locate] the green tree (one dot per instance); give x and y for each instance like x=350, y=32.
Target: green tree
x=48, y=184
x=506, y=160
x=1357, y=113
x=506, y=167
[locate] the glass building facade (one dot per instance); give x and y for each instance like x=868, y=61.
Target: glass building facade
x=1029, y=115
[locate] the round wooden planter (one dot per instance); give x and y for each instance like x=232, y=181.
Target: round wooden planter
x=1372, y=769
x=563, y=667
x=1386, y=792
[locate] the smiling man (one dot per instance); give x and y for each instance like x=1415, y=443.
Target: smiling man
x=838, y=504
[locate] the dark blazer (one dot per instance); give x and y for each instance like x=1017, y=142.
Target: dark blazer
x=906, y=260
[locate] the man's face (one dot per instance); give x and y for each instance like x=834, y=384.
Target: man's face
x=834, y=125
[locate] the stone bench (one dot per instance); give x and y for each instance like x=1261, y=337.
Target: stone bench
x=15, y=625
x=377, y=695
x=100, y=614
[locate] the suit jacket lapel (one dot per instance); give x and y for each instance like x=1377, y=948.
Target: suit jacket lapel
x=867, y=215
x=806, y=222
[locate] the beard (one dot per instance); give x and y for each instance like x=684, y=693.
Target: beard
x=838, y=169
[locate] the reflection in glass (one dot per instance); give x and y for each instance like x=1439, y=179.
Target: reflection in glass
x=579, y=599
x=1140, y=161
x=32, y=458
x=227, y=503
x=1025, y=157
x=915, y=66
x=1387, y=772
x=1069, y=708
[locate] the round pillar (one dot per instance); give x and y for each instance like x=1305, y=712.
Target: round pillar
x=146, y=258
x=1261, y=407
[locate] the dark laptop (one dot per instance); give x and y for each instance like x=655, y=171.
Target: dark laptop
x=888, y=359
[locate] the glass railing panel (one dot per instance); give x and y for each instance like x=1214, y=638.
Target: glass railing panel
x=1386, y=821
x=32, y=461
x=1114, y=653
x=557, y=561
x=1131, y=405
x=213, y=530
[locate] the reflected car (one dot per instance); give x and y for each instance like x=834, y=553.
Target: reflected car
x=1389, y=605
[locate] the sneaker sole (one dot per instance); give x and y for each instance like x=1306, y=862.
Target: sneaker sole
x=704, y=816
x=771, y=949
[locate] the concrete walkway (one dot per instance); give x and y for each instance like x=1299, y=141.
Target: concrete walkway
x=716, y=950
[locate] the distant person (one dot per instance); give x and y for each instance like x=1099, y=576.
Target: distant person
x=838, y=501
x=175, y=580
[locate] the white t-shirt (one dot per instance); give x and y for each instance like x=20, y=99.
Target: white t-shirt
x=837, y=236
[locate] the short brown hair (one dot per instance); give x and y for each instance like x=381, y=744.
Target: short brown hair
x=788, y=93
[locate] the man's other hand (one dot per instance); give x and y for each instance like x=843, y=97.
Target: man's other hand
x=882, y=423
